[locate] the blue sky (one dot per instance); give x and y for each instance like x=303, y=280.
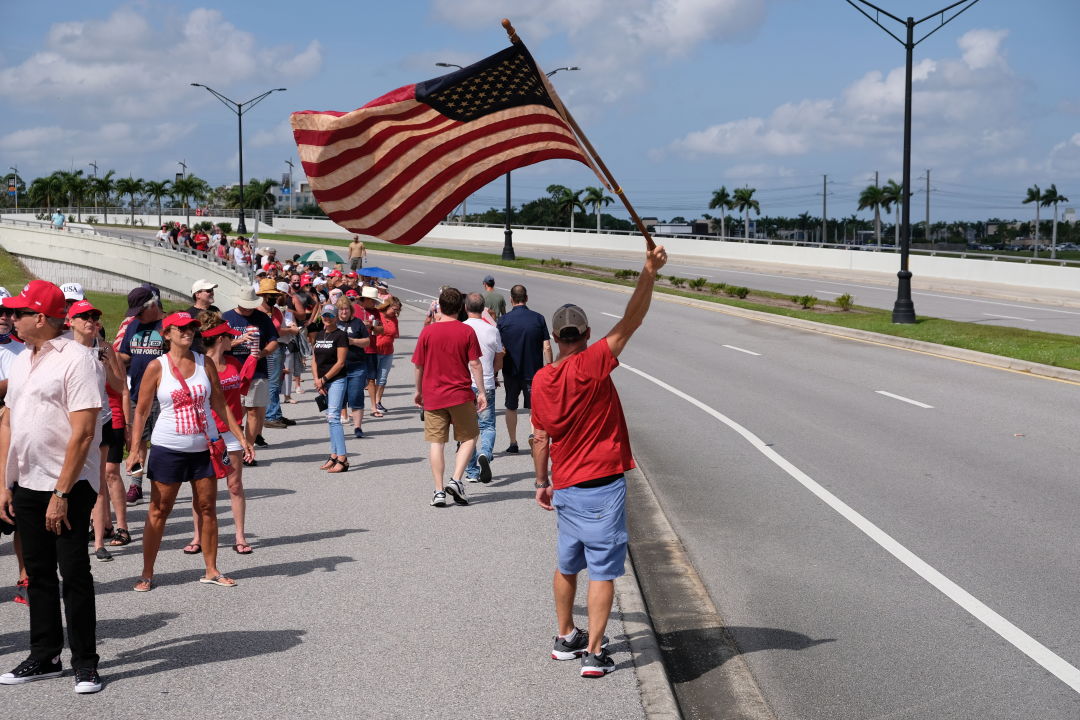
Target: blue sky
x=678, y=96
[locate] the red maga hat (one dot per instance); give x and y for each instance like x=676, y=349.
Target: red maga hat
x=81, y=307
x=39, y=296
x=178, y=319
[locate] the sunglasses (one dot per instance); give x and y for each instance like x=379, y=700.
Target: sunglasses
x=20, y=314
x=91, y=316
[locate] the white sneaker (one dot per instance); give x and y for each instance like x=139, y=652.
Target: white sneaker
x=438, y=499
x=456, y=490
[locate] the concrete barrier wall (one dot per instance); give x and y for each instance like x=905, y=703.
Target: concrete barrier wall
x=108, y=264
x=150, y=220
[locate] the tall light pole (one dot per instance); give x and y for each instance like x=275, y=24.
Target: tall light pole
x=289, y=163
x=904, y=308
x=239, y=108
x=15, y=170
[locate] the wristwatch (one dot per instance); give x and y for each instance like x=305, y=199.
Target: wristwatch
x=61, y=495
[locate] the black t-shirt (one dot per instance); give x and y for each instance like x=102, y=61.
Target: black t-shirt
x=325, y=351
x=142, y=341
x=355, y=328
x=197, y=343
x=265, y=332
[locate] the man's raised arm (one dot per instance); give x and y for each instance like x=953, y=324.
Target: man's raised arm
x=639, y=302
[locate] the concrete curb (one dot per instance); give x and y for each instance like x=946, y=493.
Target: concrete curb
x=657, y=694
x=715, y=680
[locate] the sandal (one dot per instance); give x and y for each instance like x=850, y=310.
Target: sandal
x=144, y=585
x=192, y=549
x=329, y=463
x=220, y=580
x=339, y=467
x=376, y=413
x=242, y=549
x=120, y=538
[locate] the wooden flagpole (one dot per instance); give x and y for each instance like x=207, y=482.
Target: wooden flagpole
x=587, y=146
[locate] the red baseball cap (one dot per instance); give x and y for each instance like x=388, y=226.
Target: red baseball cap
x=305, y=279
x=334, y=273
x=351, y=293
x=352, y=274
x=39, y=296
x=81, y=307
x=178, y=319
x=222, y=329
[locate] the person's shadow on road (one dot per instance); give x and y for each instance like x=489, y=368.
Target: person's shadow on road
x=202, y=649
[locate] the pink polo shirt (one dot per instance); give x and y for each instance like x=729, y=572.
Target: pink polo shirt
x=44, y=387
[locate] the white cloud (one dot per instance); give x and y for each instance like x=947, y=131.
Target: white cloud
x=122, y=66
x=1065, y=158
x=758, y=171
x=279, y=135
x=968, y=105
x=120, y=141
x=614, y=38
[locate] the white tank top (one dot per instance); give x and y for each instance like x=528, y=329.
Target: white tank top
x=181, y=424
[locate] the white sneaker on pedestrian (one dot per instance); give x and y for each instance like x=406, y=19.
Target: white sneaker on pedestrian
x=438, y=499
x=456, y=490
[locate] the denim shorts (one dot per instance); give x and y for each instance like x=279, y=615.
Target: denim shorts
x=356, y=379
x=174, y=466
x=592, y=530
x=384, y=362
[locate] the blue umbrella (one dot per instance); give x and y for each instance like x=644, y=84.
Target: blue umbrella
x=375, y=272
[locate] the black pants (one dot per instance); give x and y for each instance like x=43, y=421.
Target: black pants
x=43, y=552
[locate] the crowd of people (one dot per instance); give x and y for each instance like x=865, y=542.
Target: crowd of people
x=188, y=395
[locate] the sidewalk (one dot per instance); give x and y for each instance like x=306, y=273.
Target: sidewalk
x=360, y=599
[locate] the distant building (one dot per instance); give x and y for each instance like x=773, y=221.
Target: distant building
x=1069, y=215
x=300, y=197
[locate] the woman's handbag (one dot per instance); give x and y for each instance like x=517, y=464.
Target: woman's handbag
x=219, y=454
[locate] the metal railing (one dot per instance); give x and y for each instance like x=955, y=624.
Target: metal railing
x=124, y=213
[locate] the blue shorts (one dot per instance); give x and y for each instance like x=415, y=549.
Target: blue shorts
x=592, y=530
x=173, y=466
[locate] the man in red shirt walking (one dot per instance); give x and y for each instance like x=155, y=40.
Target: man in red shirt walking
x=447, y=360
x=579, y=423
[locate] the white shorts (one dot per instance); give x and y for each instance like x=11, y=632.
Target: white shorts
x=231, y=443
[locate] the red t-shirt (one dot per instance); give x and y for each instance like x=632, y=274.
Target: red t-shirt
x=444, y=350
x=374, y=316
x=384, y=344
x=576, y=404
x=231, y=380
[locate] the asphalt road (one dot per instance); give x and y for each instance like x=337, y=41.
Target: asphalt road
x=831, y=623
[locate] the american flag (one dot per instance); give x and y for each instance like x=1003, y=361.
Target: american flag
x=397, y=166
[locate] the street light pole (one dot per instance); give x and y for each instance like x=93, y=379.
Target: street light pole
x=239, y=108
x=904, y=308
x=289, y=163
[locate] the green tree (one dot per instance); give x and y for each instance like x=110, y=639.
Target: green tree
x=1052, y=197
x=894, y=196
x=73, y=185
x=103, y=188
x=189, y=187
x=1034, y=195
x=44, y=190
x=131, y=187
x=873, y=198
x=721, y=200
x=743, y=201
x=566, y=201
x=156, y=190
x=595, y=196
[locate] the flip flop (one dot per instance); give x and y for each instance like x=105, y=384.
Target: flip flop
x=192, y=549
x=376, y=413
x=218, y=580
x=144, y=585
x=246, y=551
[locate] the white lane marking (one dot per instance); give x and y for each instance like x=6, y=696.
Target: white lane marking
x=418, y=272
x=1008, y=317
x=901, y=398
x=617, y=317
x=739, y=349
x=1053, y=663
x=417, y=292
x=827, y=292
x=502, y=288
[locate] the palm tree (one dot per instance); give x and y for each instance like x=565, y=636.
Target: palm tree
x=743, y=201
x=721, y=199
x=595, y=196
x=131, y=187
x=1052, y=197
x=103, y=188
x=193, y=187
x=258, y=193
x=873, y=198
x=155, y=190
x=894, y=196
x=71, y=183
x=1034, y=195
x=566, y=201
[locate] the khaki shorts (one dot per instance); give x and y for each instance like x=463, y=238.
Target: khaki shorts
x=463, y=417
x=258, y=395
